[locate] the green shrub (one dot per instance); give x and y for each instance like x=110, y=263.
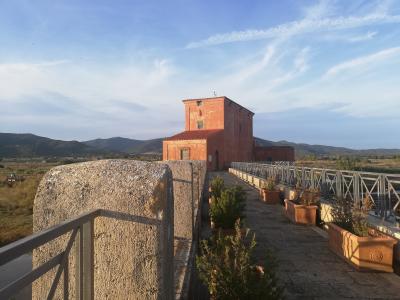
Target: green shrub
x=224, y=211
x=348, y=163
x=217, y=186
x=225, y=266
x=341, y=212
x=270, y=184
x=352, y=217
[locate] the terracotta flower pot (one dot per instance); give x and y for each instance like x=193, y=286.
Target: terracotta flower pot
x=270, y=197
x=301, y=214
x=374, y=252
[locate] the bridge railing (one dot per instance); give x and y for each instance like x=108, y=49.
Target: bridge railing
x=80, y=230
x=382, y=189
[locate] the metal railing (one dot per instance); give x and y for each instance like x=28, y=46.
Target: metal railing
x=278, y=163
x=81, y=235
x=383, y=189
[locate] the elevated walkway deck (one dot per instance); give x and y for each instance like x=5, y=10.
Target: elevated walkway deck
x=307, y=268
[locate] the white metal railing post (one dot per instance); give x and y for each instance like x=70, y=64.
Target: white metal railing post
x=382, y=196
x=324, y=191
x=312, y=183
x=339, y=184
x=356, y=187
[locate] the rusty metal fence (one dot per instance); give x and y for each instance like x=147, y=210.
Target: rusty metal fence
x=383, y=189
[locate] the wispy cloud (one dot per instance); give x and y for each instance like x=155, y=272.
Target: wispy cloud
x=304, y=26
x=364, y=37
x=367, y=60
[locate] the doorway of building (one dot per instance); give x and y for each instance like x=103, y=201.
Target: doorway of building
x=216, y=160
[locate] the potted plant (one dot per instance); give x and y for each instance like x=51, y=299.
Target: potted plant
x=226, y=267
x=227, y=209
x=351, y=238
x=312, y=194
x=302, y=210
x=296, y=192
x=268, y=192
x=217, y=185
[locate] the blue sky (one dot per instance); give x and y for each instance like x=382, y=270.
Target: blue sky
x=320, y=72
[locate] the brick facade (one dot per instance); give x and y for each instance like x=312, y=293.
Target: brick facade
x=217, y=130
x=274, y=153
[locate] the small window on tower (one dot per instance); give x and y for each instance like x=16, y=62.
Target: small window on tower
x=200, y=124
x=199, y=103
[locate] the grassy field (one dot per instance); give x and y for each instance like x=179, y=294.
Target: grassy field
x=383, y=165
x=16, y=202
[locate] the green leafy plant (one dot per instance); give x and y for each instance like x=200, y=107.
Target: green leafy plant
x=360, y=215
x=228, y=208
x=348, y=163
x=309, y=196
x=352, y=217
x=226, y=267
x=341, y=212
x=269, y=185
x=217, y=185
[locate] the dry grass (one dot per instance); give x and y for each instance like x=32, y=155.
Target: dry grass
x=16, y=202
x=387, y=165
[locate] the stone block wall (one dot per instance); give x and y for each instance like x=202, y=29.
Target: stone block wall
x=188, y=184
x=132, y=260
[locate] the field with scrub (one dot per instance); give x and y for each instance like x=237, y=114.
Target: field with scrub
x=379, y=165
x=16, y=199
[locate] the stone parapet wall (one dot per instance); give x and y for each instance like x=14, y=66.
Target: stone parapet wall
x=133, y=245
x=188, y=184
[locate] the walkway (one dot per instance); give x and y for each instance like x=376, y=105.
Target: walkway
x=307, y=268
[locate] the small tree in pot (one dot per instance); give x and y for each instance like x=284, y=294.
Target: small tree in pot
x=228, y=208
x=226, y=267
x=268, y=192
x=311, y=195
x=217, y=185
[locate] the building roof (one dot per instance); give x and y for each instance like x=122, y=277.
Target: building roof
x=218, y=98
x=194, y=135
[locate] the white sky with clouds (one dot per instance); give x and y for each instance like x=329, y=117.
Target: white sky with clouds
x=74, y=71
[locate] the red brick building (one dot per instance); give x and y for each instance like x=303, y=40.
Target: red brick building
x=219, y=131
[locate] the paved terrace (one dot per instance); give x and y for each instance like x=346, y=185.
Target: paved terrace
x=307, y=268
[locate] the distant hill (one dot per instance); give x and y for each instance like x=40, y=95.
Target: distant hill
x=321, y=150
x=126, y=145
x=30, y=145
